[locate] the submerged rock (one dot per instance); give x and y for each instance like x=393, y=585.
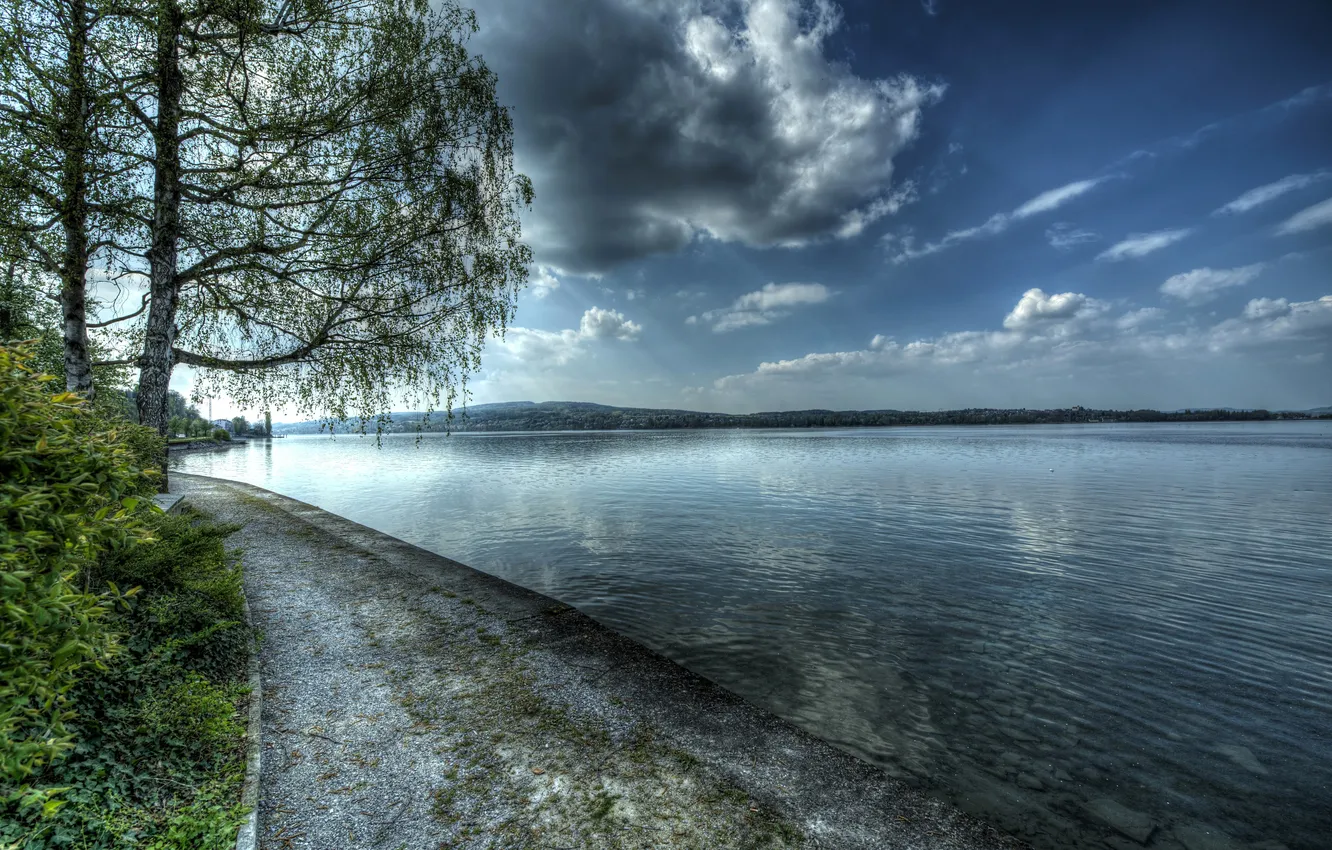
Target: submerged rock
x=1122, y=819
x=1017, y=733
x=1090, y=774
x=1202, y=836
x=1243, y=757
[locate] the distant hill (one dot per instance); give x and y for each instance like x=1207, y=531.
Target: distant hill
x=1313, y=411
x=585, y=416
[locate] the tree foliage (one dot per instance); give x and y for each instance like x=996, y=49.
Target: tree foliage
x=64, y=184
x=317, y=200
x=362, y=237
x=68, y=494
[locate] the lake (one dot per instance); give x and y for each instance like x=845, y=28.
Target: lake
x=1082, y=634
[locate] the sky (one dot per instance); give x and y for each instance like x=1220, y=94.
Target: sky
x=748, y=205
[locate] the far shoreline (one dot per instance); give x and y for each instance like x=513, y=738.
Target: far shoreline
x=491, y=432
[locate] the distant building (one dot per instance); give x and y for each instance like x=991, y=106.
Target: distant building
x=224, y=423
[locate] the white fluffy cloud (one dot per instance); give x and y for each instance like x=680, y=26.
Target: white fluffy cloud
x=1134, y=319
x=904, y=249
x=1309, y=218
x=1271, y=191
x=1054, y=198
x=763, y=306
x=1036, y=310
x=542, y=281
x=1052, y=332
x=1142, y=244
x=1266, y=308
x=1269, y=320
x=1202, y=285
x=607, y=324
x=538, y=349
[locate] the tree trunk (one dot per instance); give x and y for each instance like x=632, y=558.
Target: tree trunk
x=74, y=211
x=159, y=340
x=12, y=315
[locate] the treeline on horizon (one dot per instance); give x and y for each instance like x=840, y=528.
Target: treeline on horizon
x=581, y=416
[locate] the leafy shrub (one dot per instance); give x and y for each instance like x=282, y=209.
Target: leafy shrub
x=208, y=823
x=193, y=603
x=222, y=434
x=145, y=447
x=186, y=553
x=158, y=750
x=67, y=495
x=192, y=714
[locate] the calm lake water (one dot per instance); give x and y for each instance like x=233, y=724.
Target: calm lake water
x=1058, y=629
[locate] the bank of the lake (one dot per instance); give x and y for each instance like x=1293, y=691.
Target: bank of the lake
x=412, y=701
x=200, y=445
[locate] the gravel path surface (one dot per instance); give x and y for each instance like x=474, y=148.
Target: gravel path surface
x=412, y=702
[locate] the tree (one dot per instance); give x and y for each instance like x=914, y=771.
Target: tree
x=63, y=188
x=320, y=195
x=23, y=313
x=239, y=426
x=334, y=207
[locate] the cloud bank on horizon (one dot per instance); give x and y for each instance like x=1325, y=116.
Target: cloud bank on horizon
x=1042, y=338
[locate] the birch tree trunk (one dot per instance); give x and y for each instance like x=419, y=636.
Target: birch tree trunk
x=158, y=359
x=74, y=132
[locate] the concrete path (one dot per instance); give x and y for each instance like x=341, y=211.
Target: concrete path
x=411, y=702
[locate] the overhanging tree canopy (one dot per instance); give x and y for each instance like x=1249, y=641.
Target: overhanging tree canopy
x=335, y=206
x=321, y=206
x=63, y=188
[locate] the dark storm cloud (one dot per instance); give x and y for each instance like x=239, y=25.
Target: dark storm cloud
x=645, y=123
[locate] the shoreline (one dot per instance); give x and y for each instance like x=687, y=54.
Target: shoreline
x=200, y=445
x=525, y=716
x=407, y=432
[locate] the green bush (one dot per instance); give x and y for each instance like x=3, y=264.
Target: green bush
x=145, y=447
x=192, y=601
x=192, y=714
x=222, y=434
x=209, y=822
x=158, y=755
x=68, y=494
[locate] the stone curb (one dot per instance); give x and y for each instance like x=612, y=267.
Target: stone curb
x=168, y=502
x=247, y=838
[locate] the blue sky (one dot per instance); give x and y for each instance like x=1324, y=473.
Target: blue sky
x=789, y=203
x=748, y=205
